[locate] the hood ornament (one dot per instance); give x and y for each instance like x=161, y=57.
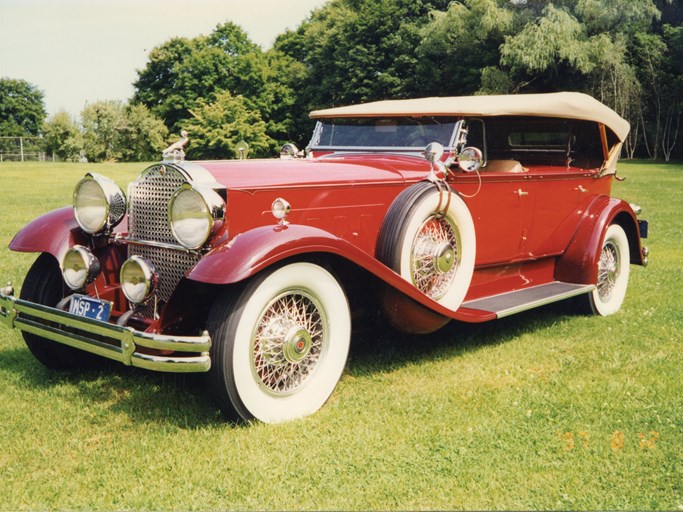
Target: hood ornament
x=175, y=151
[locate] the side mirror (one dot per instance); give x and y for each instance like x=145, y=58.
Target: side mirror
x=470, y=159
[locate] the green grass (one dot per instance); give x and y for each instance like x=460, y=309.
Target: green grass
x=543, y=410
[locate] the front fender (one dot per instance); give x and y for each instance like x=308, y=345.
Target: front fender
x=579, y=263
x=251, y=252
x=53, y=232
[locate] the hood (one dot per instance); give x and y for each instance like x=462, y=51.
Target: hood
x=329, y=170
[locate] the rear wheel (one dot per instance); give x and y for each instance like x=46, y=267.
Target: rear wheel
x=613, y=272
x=44, y=285
x=279, y=344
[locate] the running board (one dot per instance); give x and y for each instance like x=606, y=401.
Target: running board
x=510, y=303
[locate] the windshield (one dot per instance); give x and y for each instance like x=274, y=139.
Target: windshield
x=407, y=133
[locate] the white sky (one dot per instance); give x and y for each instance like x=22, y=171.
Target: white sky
x=81, y=51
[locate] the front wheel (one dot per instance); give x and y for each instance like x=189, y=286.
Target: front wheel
x=44, y=285
x=613, y=272
x=280, y=344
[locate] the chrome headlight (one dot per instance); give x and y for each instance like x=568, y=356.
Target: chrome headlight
x=195, y=212
x=99, y=203
x=79, y=267
x=139, y=279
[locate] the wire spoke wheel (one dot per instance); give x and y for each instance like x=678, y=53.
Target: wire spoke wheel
x=435, y=256
x=279, y=344
x=608, y=270
x=288, y=342
x=612, y=273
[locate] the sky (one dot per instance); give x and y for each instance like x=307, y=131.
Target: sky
x=82, y=51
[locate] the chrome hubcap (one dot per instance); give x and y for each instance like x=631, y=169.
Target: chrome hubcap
x=444, y=258
x=297, y=344
x=608, y=270
x=288, y=342
x=435, y=257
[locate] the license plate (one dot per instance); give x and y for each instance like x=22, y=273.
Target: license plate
x=82, y=305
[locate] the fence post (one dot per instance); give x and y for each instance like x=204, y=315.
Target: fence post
x=21, y=147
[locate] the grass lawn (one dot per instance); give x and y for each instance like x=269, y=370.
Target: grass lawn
x=542, y=410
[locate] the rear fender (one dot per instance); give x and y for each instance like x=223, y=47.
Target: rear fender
x=53, y=232
x=251, y=252
x=579, y=263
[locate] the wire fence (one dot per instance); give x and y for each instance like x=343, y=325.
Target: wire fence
x=22, y=149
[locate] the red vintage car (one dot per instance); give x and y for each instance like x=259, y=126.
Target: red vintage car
x=465, y=208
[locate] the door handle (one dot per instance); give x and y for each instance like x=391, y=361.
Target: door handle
x=521, y=192
x=581, y=189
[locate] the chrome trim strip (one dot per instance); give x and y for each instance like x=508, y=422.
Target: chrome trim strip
x=399, y=150
x=122, y=239
x=37, y=318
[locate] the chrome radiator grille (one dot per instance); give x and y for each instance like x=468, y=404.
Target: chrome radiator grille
x=148, y=222
x=148, y=204
x=170, y=264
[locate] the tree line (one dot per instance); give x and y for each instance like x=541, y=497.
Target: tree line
x=222, y=88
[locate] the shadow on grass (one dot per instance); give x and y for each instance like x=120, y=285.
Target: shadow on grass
x=183, y=400
x=383, y=348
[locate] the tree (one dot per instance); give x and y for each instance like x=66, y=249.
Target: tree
x=22, y=110
x=63, y=137
x=182, y=72
x=552, y=46
x=358, y=50
x=458, y=44
x=103, y=122
x=351, y=51
x=616, y=16
x=650, y=51
x=602, y=47
x=143, y=136
x=114, y=131
x=218, y=127
x=673, y=37
x=157, y=86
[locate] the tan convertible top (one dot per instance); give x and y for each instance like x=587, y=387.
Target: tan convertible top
x=570, y=105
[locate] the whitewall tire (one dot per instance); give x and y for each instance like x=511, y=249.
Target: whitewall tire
x=280, y=345
x=613, y=272
x=428, y=238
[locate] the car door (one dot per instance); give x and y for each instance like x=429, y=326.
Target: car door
x=501, y=204
x=500, y=196
x=565, y=188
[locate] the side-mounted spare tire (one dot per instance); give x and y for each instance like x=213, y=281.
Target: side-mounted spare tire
x=428, y=238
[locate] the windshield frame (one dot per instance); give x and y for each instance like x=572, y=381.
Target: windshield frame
x=314, y=144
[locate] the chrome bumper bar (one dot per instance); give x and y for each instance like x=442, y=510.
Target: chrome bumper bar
x=189, y=353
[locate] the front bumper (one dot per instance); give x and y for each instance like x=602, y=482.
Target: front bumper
x=187, y=354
